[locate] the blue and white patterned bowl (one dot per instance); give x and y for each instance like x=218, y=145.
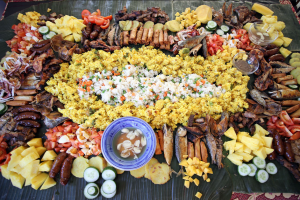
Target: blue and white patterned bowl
x=113, y=129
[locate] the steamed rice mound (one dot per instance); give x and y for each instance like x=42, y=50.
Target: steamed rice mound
x=92, y=112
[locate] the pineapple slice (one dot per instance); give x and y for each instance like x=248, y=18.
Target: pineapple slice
x=240, y=134
x=247, y=149
x=260, y=130
x=229, y=146
x=261, y=140
x=284, y=52
x=268, y=141
x=252, y=143
x=238, y=146
x=268, y=150
x=231, y=133
x=246, y=157
x=235, y=159
x=260, y=153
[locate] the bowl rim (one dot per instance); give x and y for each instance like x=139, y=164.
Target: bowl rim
x=252, y=34
x=233, y=61
x=145, y=161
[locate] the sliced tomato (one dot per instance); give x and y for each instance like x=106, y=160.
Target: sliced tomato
x=92, y=18
x=14, y=27
x=85, y=21
x=85, y=13
x=211, y=51
x=237, y=36
x=57, y=149
x=245, y=39
x=274, y=118
x=67, y=123
x=108, y=17
x=98, y=13
x=67, y=144
x=296, y=136
x=21, y=33
x=284, y=116
x=105, y=25
x=279, y=124
x=55, y=129
x=241, y=32
x=286, y=131
x=68, y=129
x=99, y=21
x=60, y=128
x=63, y=149
x=296, y=120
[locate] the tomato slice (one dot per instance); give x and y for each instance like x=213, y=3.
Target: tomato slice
x=286, y=131
x=296, y=120
x=279, y=124
x=274, y=118
x=295, y=136
x=105, y=25
x=92, y=18
x=68, y=129
x=108, y=17
x=99, y=21
x=284, y=116
x=85, y=13
x=85, y=21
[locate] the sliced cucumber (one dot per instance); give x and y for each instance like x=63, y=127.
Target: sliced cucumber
x=212, y=25
x=262, y=176
x=109, y=173
x=225, y=28
x=91, y=174
x=220, y=32
x=260, y=163
x=44, y=37
x=50, y=35
x=293, y=86
x=271, y=168
x=244, y=169
x=253, y=170
x=109, y=187
x=209, y=29
x=108, y=195
x=3, y=108
x=91, y=191
x=44, y=30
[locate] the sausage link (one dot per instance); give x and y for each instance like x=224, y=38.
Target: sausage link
x=271, y=46
x=272, y=155
x=65, y=172
x=97, y=28
x=41, y=44
x=27, y=115
x=277, y=57
x=30, y=123
x=26, y=108
x=94, y=35
x=278, y=143
x=271, y=52
x=84, y=33
x=57, y=164
x=289, y=154
x=89, y=28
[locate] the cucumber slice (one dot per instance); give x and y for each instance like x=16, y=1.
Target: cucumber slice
x=260, y=163
x=262, y=176
x=212, y=25
x=271, y=168
x=225, y=28
x=44, y=37
x=209, y=29
x=220, y=32
x=3, y=108
x=108, y=195
x=253, y=170
x=244, y=169
x=50, y=35
x=109, y=187
x=109, y=173
x=91, y=174
x=293, y=86
x=44, y=30
x=91, y=191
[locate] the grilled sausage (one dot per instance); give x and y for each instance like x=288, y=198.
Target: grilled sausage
x=97, y=28
x=41, y=49
x=26, y=108
x=272, y=155
x=57, y=164
x=94, y=35
x=89, y=28
x=85, y=34
x=27, y=115
x=277, y=57
x=289, y=154
x=65, y=172
x=278, y=143
x=271, y=52
x=30, y=123
x=271, y=46
x=41, y=44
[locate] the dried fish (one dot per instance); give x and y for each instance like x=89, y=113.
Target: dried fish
x=168, y=143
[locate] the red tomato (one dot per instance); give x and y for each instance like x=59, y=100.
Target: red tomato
x=99, y=21
x=295, y=136
x=108, y=17
x=279, y=124
x=55, y=129
x=98, y=13
x=286, y=131
x=68, y=129
x=85, y=21
x=60, y=128
x=284, y=116
x=241, y=32
x=274, y=118
x=57, y=149
x=66, y=123
x=92, y=18
x=68, y=144
x=21, y=34
x=85, y=13
x=296, y=120
x=14, y=27
x=245, y=39
x=106, y=24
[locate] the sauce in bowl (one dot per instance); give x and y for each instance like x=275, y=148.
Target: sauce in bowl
x=129, y=143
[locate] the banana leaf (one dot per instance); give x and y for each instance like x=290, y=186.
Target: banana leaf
x=223, y=181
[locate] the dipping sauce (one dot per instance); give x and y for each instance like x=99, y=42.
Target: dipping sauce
x=129, y=143
x=244, y=63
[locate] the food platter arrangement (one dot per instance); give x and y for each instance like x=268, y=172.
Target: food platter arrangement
x=156, y=100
